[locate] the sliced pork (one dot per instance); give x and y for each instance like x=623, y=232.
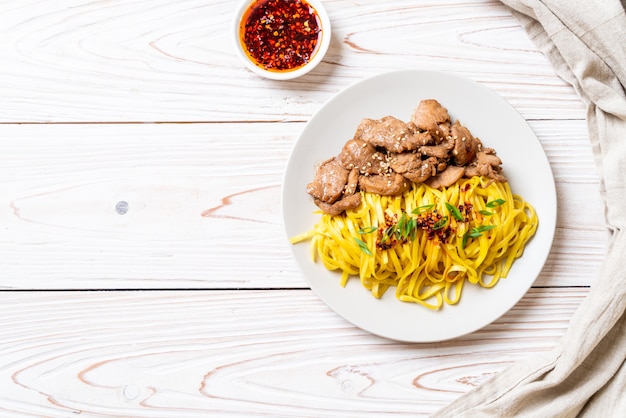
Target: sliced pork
x=487, y=164
x=353, y=182
x=441, y=150
x=431, y=116
x=447, y=177
x=341, y=205
x=411, y=166
x=391, y=134
x=361, y=155
x=465, y=145
x=385, y=185
x=385, y=156
x=329, y=182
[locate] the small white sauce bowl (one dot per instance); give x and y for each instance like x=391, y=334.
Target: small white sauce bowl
x=287, y=74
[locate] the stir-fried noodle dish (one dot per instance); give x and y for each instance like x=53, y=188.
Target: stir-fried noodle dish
x=419, y=206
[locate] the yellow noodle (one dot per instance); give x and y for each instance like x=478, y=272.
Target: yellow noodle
x=430, y=272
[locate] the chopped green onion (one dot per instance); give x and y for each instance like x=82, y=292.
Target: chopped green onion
x=478, y=231
x=367, y=230
x=400, y=225
x=412, y=226
x=440, y=223
x=485, y=212
x=454, y=211
x=387, y=234
x=363, y=246
x=475, y=233
x=495, y=203
x=464, y=242
x=405, y=227
x=422, y=209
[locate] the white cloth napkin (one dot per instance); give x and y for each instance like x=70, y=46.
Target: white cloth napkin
x=585, y=375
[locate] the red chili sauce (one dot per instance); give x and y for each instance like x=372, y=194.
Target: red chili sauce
x=280, y=35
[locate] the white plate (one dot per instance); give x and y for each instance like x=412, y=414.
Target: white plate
x=488, y=117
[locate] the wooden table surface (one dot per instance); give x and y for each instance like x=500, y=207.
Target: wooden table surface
x=144, y=270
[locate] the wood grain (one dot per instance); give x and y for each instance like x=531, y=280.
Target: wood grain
x=137, y=153
x=142, y=61
x=197, y=207
x=243, y=353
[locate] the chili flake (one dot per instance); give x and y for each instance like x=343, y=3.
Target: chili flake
x=280, y=35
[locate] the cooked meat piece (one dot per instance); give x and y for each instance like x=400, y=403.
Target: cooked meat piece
x=470, y=171
x=387, y=155
x=353, y=182
x=380, y=132
x=329, y=182
x=429, y=113
x=444, y=129
x=385, y=185
x=488, y=156
x=404, y=162
x=441, y=150
x=447, y=177
x=419, y=138
x=345, y=203
x=430, y=116
x=487, y=164
x=392, y=134
x=412, y=167
x=465, y=145
x=357, y=153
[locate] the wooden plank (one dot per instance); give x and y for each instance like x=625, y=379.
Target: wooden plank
x=141, y=61
x=196, y=209
x=243, y=353
x=97, y=204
